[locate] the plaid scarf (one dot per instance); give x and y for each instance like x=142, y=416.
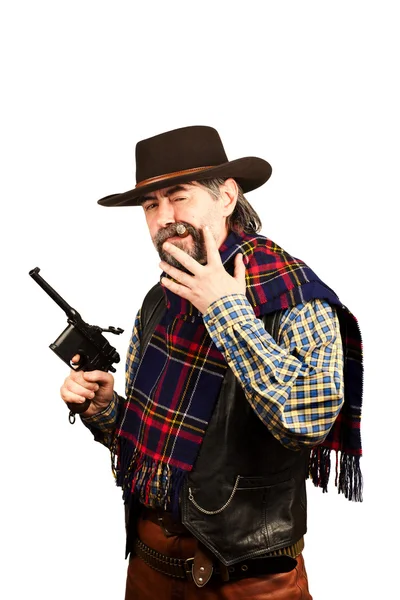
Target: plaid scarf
x=177, y=383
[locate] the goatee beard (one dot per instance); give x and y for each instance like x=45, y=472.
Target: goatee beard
x=198, y=252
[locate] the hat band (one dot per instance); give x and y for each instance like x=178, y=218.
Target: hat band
x=170, y=175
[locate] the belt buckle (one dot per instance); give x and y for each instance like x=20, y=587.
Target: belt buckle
x=188, y=566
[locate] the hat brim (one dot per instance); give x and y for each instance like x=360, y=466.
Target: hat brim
x=250, y=173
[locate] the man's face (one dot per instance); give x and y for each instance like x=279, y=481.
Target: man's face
x=191, y=205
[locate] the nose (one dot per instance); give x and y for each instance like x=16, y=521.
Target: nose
x=166, y=214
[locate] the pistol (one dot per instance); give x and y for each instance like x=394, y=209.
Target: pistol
x=95, y=351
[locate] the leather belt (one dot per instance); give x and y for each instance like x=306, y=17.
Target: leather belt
x=278, y=561
x=174, y=567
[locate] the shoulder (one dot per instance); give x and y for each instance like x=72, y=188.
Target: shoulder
x=153, y=305
x=153, y=296
x=261, y=246
x=283, y=279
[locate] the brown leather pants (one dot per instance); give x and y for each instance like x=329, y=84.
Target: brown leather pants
x=144, y=583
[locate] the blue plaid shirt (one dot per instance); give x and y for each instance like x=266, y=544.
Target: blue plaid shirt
x=294, y=384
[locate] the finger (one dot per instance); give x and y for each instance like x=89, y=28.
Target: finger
x=97, y=376
x=82, y=388
x=79, y=394
x=78, y=377
x=73, y=398
x=240, y=270
x=213, y=255
x=75, y=359
x=187, y=261
x=177, y=274
x=178, y=289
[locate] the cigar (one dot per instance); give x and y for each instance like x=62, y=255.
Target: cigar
x=181, y=230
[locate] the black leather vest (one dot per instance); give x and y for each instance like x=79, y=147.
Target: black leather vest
x=246, y=493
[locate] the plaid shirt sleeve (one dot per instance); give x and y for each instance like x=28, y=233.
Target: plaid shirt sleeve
x=294, y=385
x=103, y=424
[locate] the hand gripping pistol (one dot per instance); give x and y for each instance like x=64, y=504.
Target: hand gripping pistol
x=88, y=341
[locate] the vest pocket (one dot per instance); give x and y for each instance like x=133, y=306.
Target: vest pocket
x=285, y=512
x=237, y=523
x=254, y=516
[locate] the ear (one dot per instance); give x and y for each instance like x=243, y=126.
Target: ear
x=229, y=194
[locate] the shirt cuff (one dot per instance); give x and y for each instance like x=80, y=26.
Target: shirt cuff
x=240, y=335
x=228, y=310
x=105, y=417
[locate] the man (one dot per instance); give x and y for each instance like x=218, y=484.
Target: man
x=243, y=373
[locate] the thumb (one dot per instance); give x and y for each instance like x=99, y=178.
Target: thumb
x=96, y=376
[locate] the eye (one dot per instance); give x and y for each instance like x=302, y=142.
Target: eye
x=179, y=199
x=149, y=206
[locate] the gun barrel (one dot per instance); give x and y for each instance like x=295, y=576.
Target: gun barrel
x=70, y=312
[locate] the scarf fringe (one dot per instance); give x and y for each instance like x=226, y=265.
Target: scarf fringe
x=320, y=467
x=348, y=480
x=153, y=482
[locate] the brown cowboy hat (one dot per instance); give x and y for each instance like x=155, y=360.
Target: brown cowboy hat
x=187, y=154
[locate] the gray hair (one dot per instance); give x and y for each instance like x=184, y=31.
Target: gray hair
x=244, y=217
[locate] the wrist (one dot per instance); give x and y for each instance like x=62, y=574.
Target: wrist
x=96, y=409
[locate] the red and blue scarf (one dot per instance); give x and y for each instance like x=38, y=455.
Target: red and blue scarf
x=178, y=380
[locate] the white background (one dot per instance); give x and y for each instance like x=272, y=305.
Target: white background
x=310, y=86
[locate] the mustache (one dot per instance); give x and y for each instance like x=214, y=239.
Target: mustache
x=197, y=251
x=171, y=231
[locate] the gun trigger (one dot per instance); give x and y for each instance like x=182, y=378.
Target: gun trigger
x=71, y=417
